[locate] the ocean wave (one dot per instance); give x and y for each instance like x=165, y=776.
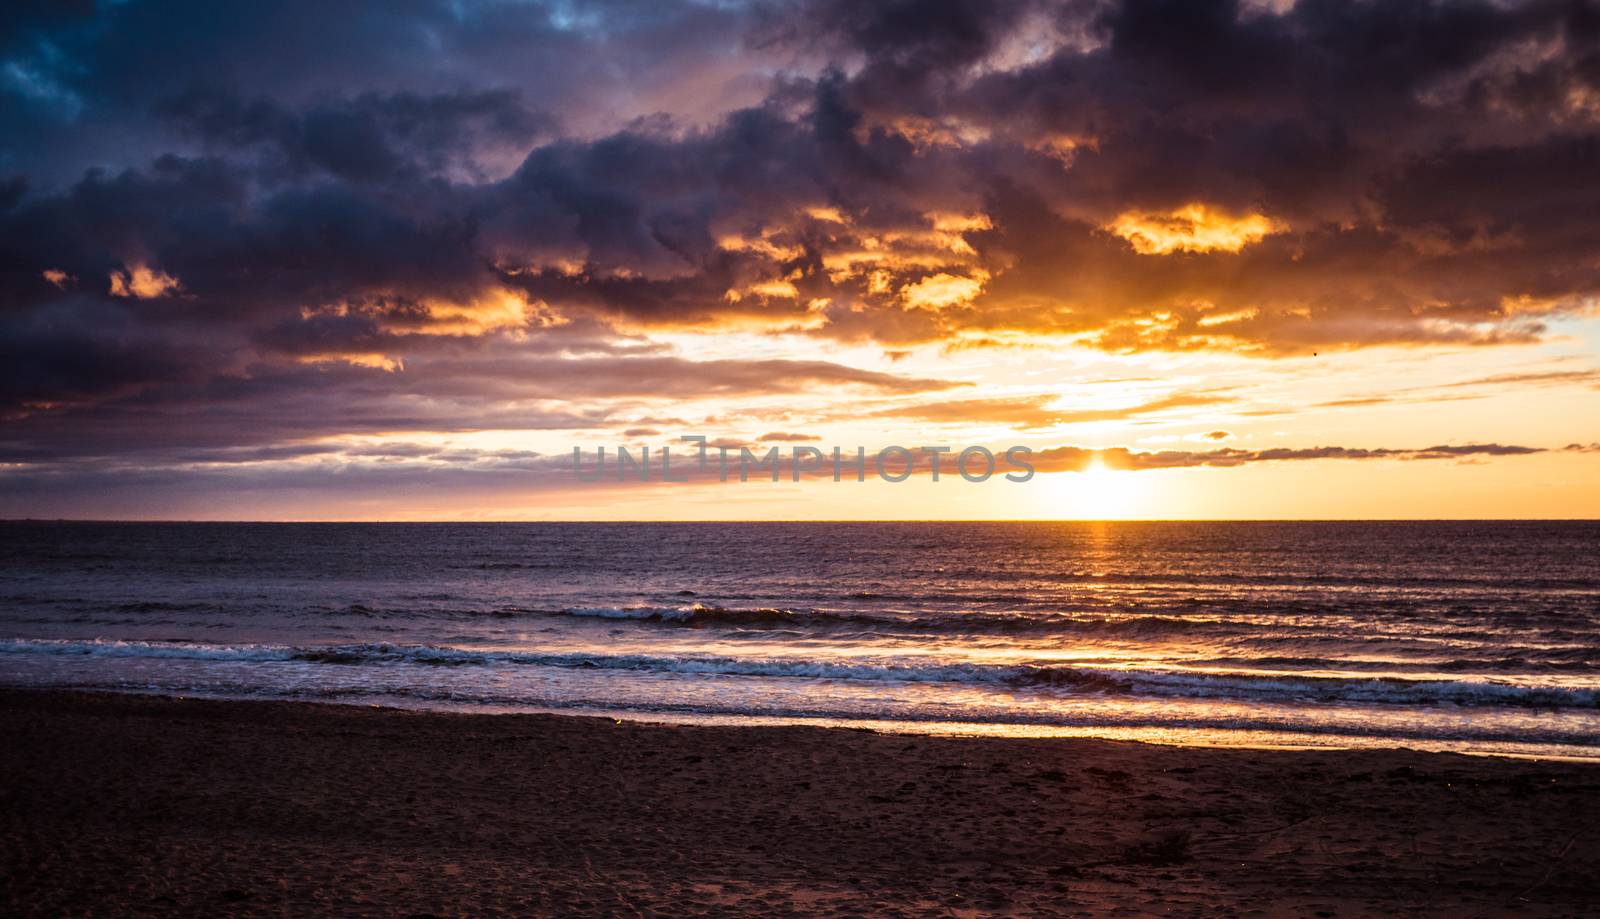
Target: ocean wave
x=697, y=614
x=701, y=614
x=1296, y=688
x=1181, y=578
x=1129, y=622
x=162, y=606
x=1168, y=683
x=173, y=650
x=1510, y=660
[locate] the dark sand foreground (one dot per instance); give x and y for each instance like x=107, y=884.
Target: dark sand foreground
x=135, y=805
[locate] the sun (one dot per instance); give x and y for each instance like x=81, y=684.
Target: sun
x=1099, y=492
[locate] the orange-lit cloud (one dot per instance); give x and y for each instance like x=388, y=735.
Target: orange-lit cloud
x=1078, y=459
x=1192, y=228
x=941, y=290
x=371, y=360
x=141, y=282
x=1026, y=412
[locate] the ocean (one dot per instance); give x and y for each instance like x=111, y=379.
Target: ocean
x=1476, y=637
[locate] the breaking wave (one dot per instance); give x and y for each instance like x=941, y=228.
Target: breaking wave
x=1159, y=683
x=959, y=623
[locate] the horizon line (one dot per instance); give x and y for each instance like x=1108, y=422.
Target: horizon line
x=702, y=521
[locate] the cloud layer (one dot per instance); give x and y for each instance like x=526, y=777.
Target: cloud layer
x=231, y=231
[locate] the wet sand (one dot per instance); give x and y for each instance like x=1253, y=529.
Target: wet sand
x=126, y=805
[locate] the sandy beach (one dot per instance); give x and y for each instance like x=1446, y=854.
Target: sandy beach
x=122, y=805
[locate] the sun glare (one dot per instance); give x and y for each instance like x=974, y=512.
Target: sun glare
x=1100, y=493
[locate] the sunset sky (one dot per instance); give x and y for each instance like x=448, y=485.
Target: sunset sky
x=395, y=260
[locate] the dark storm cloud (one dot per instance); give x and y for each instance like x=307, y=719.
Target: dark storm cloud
x=370, y=138
x=221, y=226
x=85, y=78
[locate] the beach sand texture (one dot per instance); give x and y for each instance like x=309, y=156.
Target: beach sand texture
x=130, y=805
